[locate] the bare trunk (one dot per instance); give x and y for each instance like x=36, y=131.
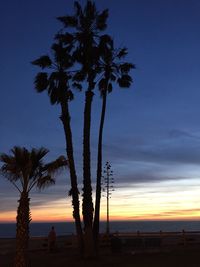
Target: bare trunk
x=99, y=174
x=22, y=234
x=87, y=188
x=65, y=118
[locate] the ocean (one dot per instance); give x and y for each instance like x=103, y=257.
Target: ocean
x=7, y=230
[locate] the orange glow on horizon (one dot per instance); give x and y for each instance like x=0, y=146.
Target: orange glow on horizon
x=42, y=216
x=169, y=200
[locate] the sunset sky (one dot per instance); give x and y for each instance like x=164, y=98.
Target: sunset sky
x=152, y=130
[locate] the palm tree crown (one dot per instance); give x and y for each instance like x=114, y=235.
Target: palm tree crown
x=111, y=66
x=58, y=75
x=88, y=23
x=26, y=169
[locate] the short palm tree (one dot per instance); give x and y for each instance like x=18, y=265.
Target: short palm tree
x=87, y=23
x=56, y=81
x=113, y=70
x=26, y=170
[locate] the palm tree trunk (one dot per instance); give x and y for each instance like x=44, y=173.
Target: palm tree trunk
x=22, y=235
x=99, y=174
x=65, y=118
x=87, y=188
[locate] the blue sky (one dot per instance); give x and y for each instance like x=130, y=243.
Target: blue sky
x=152, y=130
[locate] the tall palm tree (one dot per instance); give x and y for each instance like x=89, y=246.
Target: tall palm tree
x=113, y=70
x=88, y=24
x=56, y=81
x=26, y=170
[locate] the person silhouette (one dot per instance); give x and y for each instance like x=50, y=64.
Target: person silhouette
x=52, y=239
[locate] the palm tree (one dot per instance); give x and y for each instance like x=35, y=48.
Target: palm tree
x=88, y=23
x=56, y=82
x=26, y=170
x=112, y=69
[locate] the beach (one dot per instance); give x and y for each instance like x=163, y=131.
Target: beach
x=129, y=254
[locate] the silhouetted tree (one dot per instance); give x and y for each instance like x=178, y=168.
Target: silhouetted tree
x=87, y=23
x=26, y=170
x=113, y=70
x=56, y=81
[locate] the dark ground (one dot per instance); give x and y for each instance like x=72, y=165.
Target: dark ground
x=178, y=255
x=176, y=258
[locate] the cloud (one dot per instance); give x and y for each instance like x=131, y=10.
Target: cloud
x=175, y=156
x=175, y=213
x=162, y=151
x=177, y=133
x=137, y=179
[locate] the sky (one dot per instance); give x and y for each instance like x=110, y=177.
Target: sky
x=152, y=130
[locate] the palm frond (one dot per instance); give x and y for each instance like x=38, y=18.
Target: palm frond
x=45, y=181
x=106, y=40
x=62, y=56
x=54, y=91
x=6, y=158
x=9, y=174
x=79, y=76
x=56, y=165
x=70, y=95
x=54, y=96
x=38, y=153
x=66, y=38
x=126, y=67
x=43, y=62
x=122, y=53
x=90, y=11
x=109, y=89
x=125, y=81
x=101, y=20
x=77, y=86
x=68, y=21
x=41, y=82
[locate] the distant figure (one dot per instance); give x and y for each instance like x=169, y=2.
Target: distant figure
x=52, y=239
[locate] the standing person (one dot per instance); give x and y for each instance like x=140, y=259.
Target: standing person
x=52, y=239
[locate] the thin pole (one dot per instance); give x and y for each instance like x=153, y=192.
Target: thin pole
x=108, y=226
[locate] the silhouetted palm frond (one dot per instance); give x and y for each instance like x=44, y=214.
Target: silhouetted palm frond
x=56, y=165
x=101, y=20
x=105, y=40
x=45, y=181
x=41, y=81
x=126, y=67
x=77, y=86
x=43, y=62
x=68, y=21
x=125, y=81
x=79, y=76
x=122, y=53
x=65, y=38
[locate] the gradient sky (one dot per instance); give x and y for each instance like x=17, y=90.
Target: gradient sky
x=152, y=130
